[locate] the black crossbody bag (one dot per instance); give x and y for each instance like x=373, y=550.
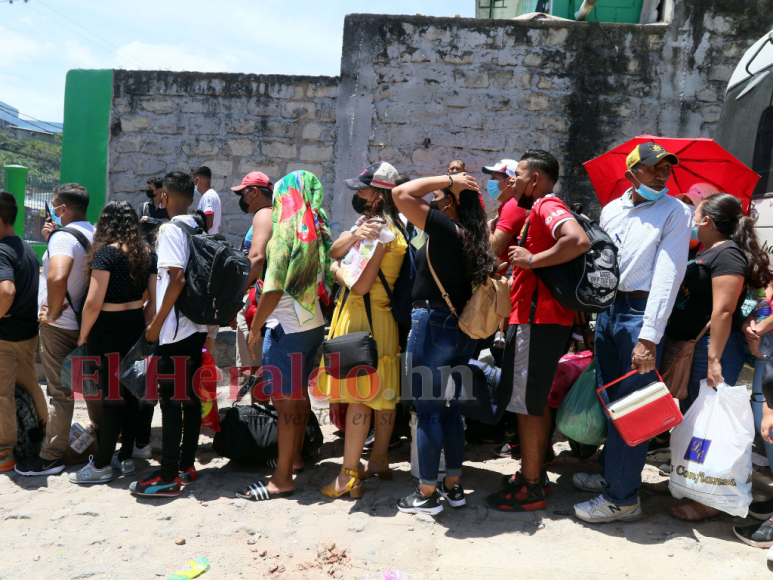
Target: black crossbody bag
x=357, y=350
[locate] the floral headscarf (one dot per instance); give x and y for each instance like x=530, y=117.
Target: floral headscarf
x=299, y=249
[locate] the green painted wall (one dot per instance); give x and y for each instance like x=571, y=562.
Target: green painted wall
x=87, y=100
x=627, y=11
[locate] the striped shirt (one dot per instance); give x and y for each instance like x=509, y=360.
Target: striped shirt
x=653, y=238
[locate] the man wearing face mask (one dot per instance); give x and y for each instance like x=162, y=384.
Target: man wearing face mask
x=511, y=217
x=152, y=213
x=539, y=325
x=255, y=197
x=652, y=231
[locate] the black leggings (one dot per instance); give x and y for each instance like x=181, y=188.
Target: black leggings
x=115, y=332
x=178, y=402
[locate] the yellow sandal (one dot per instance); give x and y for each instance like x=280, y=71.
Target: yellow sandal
x=354, y=491
x=385, y=473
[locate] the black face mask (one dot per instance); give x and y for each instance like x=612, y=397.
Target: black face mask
x=526, y=202
x=360, y=205
x=151, y=193
x=243, y=205
x=433, y=204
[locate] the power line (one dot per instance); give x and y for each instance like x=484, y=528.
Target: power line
x=83, y=37
x=17, y=112
x=118, y=48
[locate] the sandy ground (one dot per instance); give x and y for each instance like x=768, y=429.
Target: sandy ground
x=52, y=529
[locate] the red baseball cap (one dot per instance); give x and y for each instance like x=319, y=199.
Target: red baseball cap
x=254, y=179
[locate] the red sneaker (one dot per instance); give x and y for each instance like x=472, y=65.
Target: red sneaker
x=188, y=476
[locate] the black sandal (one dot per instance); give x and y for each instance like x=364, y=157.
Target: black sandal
x=259, y=492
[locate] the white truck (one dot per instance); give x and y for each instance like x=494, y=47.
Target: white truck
x=746, y=126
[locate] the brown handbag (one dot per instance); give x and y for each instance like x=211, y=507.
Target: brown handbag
x=676, y=362
x=489, y=304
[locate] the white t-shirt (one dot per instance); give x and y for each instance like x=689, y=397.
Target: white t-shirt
x=64, y=244
x=173, y=251
x=293, y=317
x=210, y=204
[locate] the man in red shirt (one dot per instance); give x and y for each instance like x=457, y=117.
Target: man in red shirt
x=506, y=227
x=539, y=326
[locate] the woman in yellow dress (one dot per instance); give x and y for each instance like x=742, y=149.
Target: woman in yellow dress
x=377, y=394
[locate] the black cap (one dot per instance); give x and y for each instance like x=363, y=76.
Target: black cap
x=649, y=154
x=202, y=170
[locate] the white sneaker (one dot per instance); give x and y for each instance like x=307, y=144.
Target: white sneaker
x=770, y=555
x=144, y=453
x=123, y=467
x=91, y=474
x=600, y=511
x=589, y=482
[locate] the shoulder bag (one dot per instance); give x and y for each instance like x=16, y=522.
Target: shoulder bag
x=356, y=351
x=484, y=311
x=676, y=362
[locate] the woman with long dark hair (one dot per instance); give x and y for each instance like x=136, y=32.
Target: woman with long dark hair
x=379, y=223
x=120, y=268
x=712, y=292
x=460, y=254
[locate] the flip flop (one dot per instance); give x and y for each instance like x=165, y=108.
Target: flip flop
x=259, y=492
x=692, y=514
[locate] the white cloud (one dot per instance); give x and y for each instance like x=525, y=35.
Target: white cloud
x=17, y=48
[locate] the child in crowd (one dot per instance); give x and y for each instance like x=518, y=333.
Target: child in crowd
x=178, y=337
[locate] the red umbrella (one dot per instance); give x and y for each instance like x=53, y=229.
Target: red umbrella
x=700, y=161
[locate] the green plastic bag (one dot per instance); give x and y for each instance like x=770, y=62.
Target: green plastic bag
x=581, y=416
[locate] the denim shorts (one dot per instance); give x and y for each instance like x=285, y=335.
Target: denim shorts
x=288, y=360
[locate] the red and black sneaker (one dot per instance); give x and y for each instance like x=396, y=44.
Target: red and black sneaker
x=520, y=497
x=508, y=480
x=509, y=450
x=188, y=476
x=155, y=486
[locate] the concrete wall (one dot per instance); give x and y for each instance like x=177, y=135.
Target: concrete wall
x=419, y=91
x=234, y=123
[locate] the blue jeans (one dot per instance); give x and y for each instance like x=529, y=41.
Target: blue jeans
x=758, y=400
x=617, y=332
x=436, y=344
x=733, y=358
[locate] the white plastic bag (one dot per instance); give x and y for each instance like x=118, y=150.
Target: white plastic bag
x=711, y=451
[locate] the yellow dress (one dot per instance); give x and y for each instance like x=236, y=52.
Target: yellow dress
x=378, y=391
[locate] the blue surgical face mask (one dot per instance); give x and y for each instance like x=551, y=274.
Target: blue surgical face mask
x=694, y=232
x=54, y=218
x=492, y=186
x=648, y=193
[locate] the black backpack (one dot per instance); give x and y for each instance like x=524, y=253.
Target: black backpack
x=215, y=279
x=402, y=297
x=248, y=434
x=29, y=432
x=589, y=282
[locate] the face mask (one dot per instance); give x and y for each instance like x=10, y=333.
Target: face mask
x=694, y=233
x=54, y=218
x=151, y=193
x=648, y=193
x=433, y=204
x=360, y=205
x=243, y=205
x=525, y=202
x=492, y=187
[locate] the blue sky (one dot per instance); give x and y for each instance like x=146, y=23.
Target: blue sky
x=297, y=37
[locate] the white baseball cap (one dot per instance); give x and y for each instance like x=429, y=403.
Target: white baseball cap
x=506, y=166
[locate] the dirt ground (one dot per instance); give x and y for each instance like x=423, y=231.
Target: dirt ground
x=50, y=528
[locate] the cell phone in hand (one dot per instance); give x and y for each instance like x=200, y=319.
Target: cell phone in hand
x=49, y=211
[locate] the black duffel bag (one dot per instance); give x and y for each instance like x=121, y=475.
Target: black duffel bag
x=357, y=350
x=248, y=434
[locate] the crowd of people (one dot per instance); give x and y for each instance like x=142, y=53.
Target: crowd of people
x=686, y=265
